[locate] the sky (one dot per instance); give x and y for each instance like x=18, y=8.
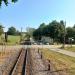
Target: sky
x=31, y=13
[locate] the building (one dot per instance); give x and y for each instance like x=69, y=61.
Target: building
x=47, y=40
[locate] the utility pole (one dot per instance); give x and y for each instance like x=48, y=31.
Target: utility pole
x=64, y=35
x=21, y=35
x=6, y=37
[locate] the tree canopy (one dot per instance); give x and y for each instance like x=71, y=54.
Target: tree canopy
x=54, y=30
x=1, y=30
x=7, y=1
x=11, y=31
x=70, y=32
x=30, y=31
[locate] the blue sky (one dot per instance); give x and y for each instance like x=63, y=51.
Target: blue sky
x=31, y=13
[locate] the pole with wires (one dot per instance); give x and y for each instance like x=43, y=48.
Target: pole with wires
x=64, y=34
x=21, y=35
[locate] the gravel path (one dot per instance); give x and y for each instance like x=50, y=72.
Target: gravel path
x=38, y=66
x=69, y=53
x=9, y=57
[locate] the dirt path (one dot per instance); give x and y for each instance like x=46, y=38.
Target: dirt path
x=69, y=53
x=38, y=65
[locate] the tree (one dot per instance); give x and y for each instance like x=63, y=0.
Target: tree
x=55, y=29
x=27, y=36
x=1, y=30
x=38, y=33
x=6, y=37
x=70, y=32
x=74, y=26
x=7, y=1
x=63, y=31
x=30, y=31
x=11, y=31
x=18, y=33
x=62, y=22
x=42, y=25
x=45, y=31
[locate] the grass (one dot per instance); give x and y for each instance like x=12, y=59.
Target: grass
x=13, y=39
x=60, y=61
x=70, y=48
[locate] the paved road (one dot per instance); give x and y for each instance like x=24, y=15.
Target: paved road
x=54, y=48
x=69, y=53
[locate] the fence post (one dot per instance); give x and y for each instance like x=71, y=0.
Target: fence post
x=48, y=65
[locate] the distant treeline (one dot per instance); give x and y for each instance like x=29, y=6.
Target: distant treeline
x=56, y=30
x=11, y=31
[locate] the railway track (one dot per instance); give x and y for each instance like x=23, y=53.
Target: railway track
x=19, y=67
x=29, y=63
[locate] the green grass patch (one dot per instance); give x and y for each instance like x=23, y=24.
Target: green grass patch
x=70, y=48
x=13, y=39
x=60, y=61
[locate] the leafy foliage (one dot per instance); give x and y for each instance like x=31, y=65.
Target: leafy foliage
x=30, y=31
x=70, y=33
x=39, y=32
x=54, y=30
x=11, y=31
x=7, y=1
x=1, y=29
x=27, y=36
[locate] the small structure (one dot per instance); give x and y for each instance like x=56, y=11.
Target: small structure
x=47, y=40
x=27, y=42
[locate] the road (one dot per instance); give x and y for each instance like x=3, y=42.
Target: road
x=51, y=47
x=54, y=48
x=69, y=53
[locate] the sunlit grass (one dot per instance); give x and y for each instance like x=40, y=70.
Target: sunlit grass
x=13, y=39
x=60, y=61
x=70, y=48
